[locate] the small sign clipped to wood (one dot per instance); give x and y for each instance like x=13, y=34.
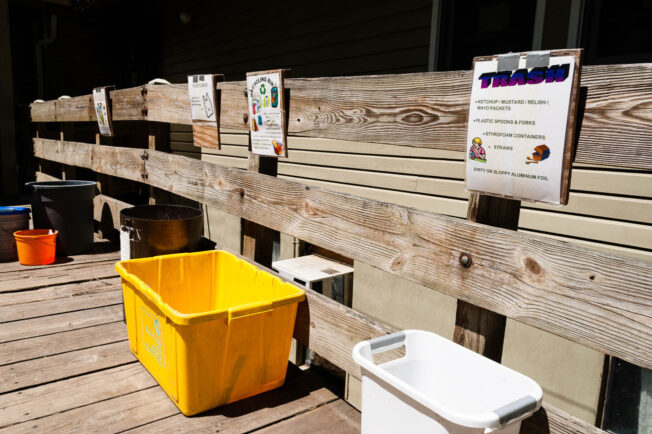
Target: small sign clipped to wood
x=102, y=105
x=267, y=123
x=521, y=125
x=204, y=109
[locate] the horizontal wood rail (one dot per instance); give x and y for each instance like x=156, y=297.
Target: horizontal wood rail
x=596, y=299
x=421, y=110
x=332, y=329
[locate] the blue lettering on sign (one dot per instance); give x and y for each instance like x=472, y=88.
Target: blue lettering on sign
x=521, y=77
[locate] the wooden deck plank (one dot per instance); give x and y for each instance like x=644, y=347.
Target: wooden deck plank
x=150, y=410
x=50, y=307
x=50, y=293
x=102, y=251
x=49, y=345
x=335, y=417
x=58, y=323
x=110, y=416
x=68, y=273
x=72, y=393
x=52, y=368
x=298, y=395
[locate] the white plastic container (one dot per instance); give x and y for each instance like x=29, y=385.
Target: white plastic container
x=440, y=387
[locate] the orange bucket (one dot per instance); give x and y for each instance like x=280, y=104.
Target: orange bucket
x=36, y=246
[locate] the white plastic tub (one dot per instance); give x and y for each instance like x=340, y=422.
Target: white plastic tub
x=440, y=387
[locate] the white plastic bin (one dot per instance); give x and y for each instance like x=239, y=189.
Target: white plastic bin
x=440, y=387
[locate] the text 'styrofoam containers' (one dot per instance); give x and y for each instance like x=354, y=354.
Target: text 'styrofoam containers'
x=440, y=387
x=210, y=327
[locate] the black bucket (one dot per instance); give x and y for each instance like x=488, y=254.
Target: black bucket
x=66, y=206
x=152, y=230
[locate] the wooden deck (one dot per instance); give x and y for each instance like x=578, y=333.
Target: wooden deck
x=65, y=364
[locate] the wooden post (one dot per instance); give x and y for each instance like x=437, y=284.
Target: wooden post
x=158, y=139
x=104, y=230
x=257, y=240
x=476, y=328
x=66, y=132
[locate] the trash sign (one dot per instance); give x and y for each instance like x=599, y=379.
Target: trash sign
x=521, y=123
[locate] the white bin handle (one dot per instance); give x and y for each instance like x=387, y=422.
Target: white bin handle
x=516, y=409
x=363, y=352
x=387, y=342
x=490, y=420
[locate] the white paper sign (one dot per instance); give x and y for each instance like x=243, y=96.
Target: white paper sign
x=201, y=89
x=517, y=129
x=266, y=118
x=100, y=100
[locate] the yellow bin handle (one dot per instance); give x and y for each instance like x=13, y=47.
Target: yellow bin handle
x=250, y=309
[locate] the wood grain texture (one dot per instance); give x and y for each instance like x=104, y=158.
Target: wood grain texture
x=168, y=103
x=31, y=373
x=51, y=293
x=75, y=392
x=32, y=327
x=21, y=280
x=130, y=104
x=43, y=346
x=206, y=136
x=336, y=417
x=476, y=328
x=49, y=307
x=299, y=394
x=590, y=228
x=599, y=300
x=419, y=110
x=258, y=240
x=102, y=251
x=113, y=415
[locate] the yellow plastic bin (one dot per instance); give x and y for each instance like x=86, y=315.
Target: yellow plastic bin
x=210, y=327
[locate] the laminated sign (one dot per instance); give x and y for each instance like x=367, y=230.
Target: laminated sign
x=204, y=109
x=267, y=113
x=103, y=110
x=521, y=125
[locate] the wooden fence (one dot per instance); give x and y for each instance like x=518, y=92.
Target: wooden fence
x=596, y=299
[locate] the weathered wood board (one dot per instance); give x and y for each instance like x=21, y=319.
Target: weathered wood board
x=615, y=128
x=51, y=368
x=41, y=277
x=48, y=345
x=596, y=299
x=32, y=327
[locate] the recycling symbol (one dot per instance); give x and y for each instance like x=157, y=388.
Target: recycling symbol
x=157, y=326
x=262, y=89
